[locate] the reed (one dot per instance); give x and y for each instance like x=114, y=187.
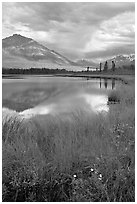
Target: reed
x=74, y=157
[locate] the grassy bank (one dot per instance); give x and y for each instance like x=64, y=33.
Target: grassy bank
x=125, y=78
x=74, y=157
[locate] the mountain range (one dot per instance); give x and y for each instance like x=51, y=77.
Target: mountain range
x=120, y=60
x=85, y=62
x=22, y=52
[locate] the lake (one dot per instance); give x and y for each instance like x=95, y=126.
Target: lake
x=41, y=95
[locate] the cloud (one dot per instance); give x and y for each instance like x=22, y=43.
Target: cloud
x=73, y=28
x=117, y=32
x=110, y=52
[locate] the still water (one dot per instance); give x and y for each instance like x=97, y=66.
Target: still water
x=40, y=95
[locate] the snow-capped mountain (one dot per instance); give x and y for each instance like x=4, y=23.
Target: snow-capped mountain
x=122, y=60
x=19, y=51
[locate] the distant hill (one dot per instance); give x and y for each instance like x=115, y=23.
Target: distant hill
x=121, y=60
x=86, y=63
x=22, y=52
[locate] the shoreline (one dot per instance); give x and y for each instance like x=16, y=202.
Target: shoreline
x=126, y=79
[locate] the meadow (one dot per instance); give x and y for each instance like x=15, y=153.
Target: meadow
x=74, y=157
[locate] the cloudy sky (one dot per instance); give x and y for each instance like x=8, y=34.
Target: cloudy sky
x=77, y=30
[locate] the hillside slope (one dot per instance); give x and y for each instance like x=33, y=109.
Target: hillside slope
x=21, y=52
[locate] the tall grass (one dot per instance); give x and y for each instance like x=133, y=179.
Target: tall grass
x=74, y=157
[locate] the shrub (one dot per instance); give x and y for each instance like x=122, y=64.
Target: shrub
x=114, y=97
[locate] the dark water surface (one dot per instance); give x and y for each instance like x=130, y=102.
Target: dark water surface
x=40, y=95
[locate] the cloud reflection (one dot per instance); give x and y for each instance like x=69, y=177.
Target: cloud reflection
x=88, y=102
x=39, y=110
x=98, y=103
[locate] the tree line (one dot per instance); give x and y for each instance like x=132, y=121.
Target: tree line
x=46, y=71
x=34, y=71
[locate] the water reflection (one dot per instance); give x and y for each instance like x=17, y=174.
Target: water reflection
x=58, y=95
x=100, y=83
x=88, y=102
x=98, y=103
x=113, y=83
x=107, y=83
x=87, y=78
x=39, y=110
